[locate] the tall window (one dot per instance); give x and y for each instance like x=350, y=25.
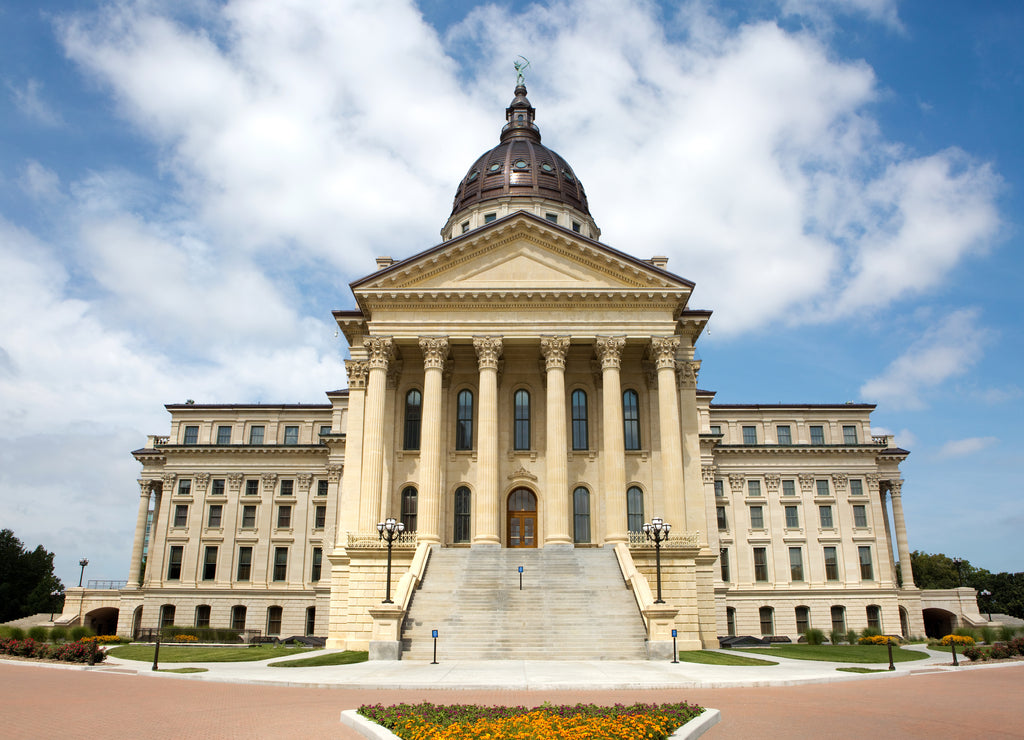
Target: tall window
x=319, y=517
x=803, y=619
x=635, y=509
x=464, y=421
x=291, y=435
x=860, y=515
x=252, y=487
x=287, y=487
x=521, y=412
x=757, y=517
x=856, y=487
x=849, y=434
x=750, y=435
x=218, y=487
x=321, y=487
x=310, y=620
x=223, y=435
x=821, y=488
x=244, y=564
x=256, y=435
x=280, y=563
x=191, y=435
x=185, y=487
x=730, y=621
x=875, y=617
x=581, y=515
x=203, y=615
x=284, y=517
x=796, y=564
x=413, y=412
x=462, y=514
x=210, y=564
x=754, y=488
x=789, y=488
x=867, y=572
x=760, y=564
x=248, y=517
x=409, y=508
x=631, y=419
x=723, y=560
x=174, y=563
x=767, y=615
x=784, y=435
x=838, y=619
x=817, y=435
x=580, y=439
x=831, y=564
x=318, y=556
x=238, y=617
x=214, y=517
x=167, y=615
x=181, y=515
x=723, y=523
x=792, y=517
x=274, y=620
x=825, y=515
x=719, y=488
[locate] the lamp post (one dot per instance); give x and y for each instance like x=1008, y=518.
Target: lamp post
x=83, y=562
x=389, y=531
x=59, y=592
x=985, y=594
x=959, y=570
x=657, y=531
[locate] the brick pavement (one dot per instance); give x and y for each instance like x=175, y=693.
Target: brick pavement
x=45, y=702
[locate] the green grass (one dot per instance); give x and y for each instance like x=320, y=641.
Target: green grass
x=179, y=654
x=344, y=657
x=858, y=669
x=182, y=670
x=710, y=657
x=839, y=653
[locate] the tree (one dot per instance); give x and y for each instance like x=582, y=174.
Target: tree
x=27, y=582
x=940, y=571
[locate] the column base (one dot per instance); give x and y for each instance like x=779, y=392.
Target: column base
x=484, y=544
x=385, y=650
x=659, y=650
x=559, y=545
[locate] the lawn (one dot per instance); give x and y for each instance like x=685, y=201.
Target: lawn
x=179, y=654
x=344, y=657
x=711, y=657
x=838, y=653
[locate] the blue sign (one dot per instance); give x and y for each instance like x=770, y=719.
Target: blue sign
x=433, y=633
x=520, y=569
x=673, y=633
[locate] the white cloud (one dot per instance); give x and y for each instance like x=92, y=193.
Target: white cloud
x=904, y=438
x=968, y=446
x=30, y=104
x=821, y=11
x=39, y=182
x=946, y=350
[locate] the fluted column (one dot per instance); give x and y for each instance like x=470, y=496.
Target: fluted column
x=556, y=530
x=348, y=501
x=145, y=491
x=435, y=352
x=663, y=351
x=906, y=572
x=487, y=509
x=880, y=528
x=380, y=352
x=609, y=352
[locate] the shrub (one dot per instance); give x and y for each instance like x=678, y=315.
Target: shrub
x=38, y=633
x=15, y=633
x=966, y=632
x=1016, y=645
x=973, y=653
x=1000, y=650
x=851, y=637
x=961, y=640
x=1006, y=632
x=78, y=632
x=836, y=637
x=58, y=634
x=814, y=636
x=103, y=640
x=874, y=640
x=870, y=632
x=987, y=634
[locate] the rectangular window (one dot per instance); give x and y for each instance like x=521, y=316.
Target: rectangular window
x=760, y=564
x=252, y=487
x=321, y=488
x=490, y=217
x=856, y=487
x=825, y=516
x=214, y=517
x=174, y=563
x=256, y=435
x=792, y=517
x=831, y=564
x=723, y=559
x=291, y=435
x=248, y=517
x=580, y=436
x=284, y=517
x=191, y=435
x=784, y=435
x=210, y=564
x=576, y=226
x=223, y=435
x=521, y=426
x=319, y=517
x=867, y=572
x=631, y=419
x=750, y=435
x=849, y=434
x=817, y=435
x=716, y=428
x=754, y=488
x=821, y=487
x=185, y=488
x=244, y=564
x=465, y=226
x=181, y=515
x=796, y=564
x=310, y=621
x=464, y=420
x=860, y=515
x=789, y=488
x=756, y=517
x=280, y=563
x=719, y=488
x=722, y=522
x=314, y=574
x=287, y=487
x=218, y=487
x=325, y=429
x=803, y=619
x=552, y=217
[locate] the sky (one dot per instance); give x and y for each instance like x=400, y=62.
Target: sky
x=187, y=188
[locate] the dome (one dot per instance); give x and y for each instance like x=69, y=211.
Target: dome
x=519, y=169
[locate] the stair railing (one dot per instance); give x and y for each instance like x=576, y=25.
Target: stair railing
x=635, y=580
x=411, y=578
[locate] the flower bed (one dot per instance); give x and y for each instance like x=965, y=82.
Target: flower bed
x=582, y=722
x=962, y=640
x=877, y=640
x=69, y=652
x=998, y=651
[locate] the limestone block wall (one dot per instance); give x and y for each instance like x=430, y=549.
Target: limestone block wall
x=747, y=610
x=366, y=581
x=686, y=585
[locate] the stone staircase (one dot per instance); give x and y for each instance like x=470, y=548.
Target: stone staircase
x=574, y=605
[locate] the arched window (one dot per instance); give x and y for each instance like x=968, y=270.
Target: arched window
x=409, y=509
x=635, y=509
x=167, y=615
x=839, y=620
x=631, y=419
x=767, y=615
x=580, y=440
x=803, y=619
x=310, y=620
x=238, y=617
x=464, y=421
x=730, y=621
x=521, y=429
x=203, y=615
x=581, y=515
x=874, y=617
x=462, y=511
x=274, y=620
x=413, y=411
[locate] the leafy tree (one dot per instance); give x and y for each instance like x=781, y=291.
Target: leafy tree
x=27, y=581
x=940, y=571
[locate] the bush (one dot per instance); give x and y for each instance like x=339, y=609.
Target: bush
x=15, y=633
x=1000, y=650
x=1016, y=645
x=1007, y=633
x=38, y=633
x=870, y=632
x=814, y=636
x=987, y=634
x=58, y=634
x=973, y=653
x=836, y=637
x=874, y=640
x=962, y=640
x=77, y=633
x=966, y=632
x=851, y=637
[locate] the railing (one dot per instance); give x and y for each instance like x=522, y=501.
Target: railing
x=107, y=584
x=205, y=635
x=882, y=440
x=405, y=541
x=676, y=540
x=412, y=577
x=153, y=440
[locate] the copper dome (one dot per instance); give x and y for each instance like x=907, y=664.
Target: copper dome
x=520, y=166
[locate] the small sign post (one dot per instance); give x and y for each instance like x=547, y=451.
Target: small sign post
x=520, y=578
x=156, y=652
x=433, y=633
x=675, y=652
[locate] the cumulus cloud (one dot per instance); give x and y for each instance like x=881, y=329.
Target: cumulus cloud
x=968, y=446
x=946, y=350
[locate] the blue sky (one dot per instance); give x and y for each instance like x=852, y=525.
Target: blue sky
x=187, y=188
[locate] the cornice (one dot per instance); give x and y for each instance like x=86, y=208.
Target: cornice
x=797, y=449
x=196, y=450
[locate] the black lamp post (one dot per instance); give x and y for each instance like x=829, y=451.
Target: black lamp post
x=959, y=570
x=58, y=592
x=985, y=594
x=657, y=531
x=83, y=562
x=389, y=531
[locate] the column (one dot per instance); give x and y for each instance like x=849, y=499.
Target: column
x=906, y=571
x=663, y=351
x=609, y=352
x=556, y=530
x=145, y=491
x=381, y=350
x=435, y=352
x=487, y=509
x=694, y=494
x=880, y=528
x=347, y=517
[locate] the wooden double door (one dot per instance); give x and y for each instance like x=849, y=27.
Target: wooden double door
x=521, y=530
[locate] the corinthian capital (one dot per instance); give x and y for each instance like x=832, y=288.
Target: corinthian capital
x=895, y=487
x=356, y=370
x=609, y=351
x=554, y=349
x=488, y=352
x=381, y=350
x=687, y=373
x=435, y=352
x=663, y=350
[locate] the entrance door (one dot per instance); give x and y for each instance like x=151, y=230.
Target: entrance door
x=522, y=518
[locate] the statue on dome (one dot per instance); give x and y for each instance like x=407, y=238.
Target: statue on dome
x=520, y=68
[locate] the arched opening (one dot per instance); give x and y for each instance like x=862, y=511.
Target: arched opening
x=904, y=622
x=102, y=621
x=522, y=518
x=136, y=622
x=939, y=622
